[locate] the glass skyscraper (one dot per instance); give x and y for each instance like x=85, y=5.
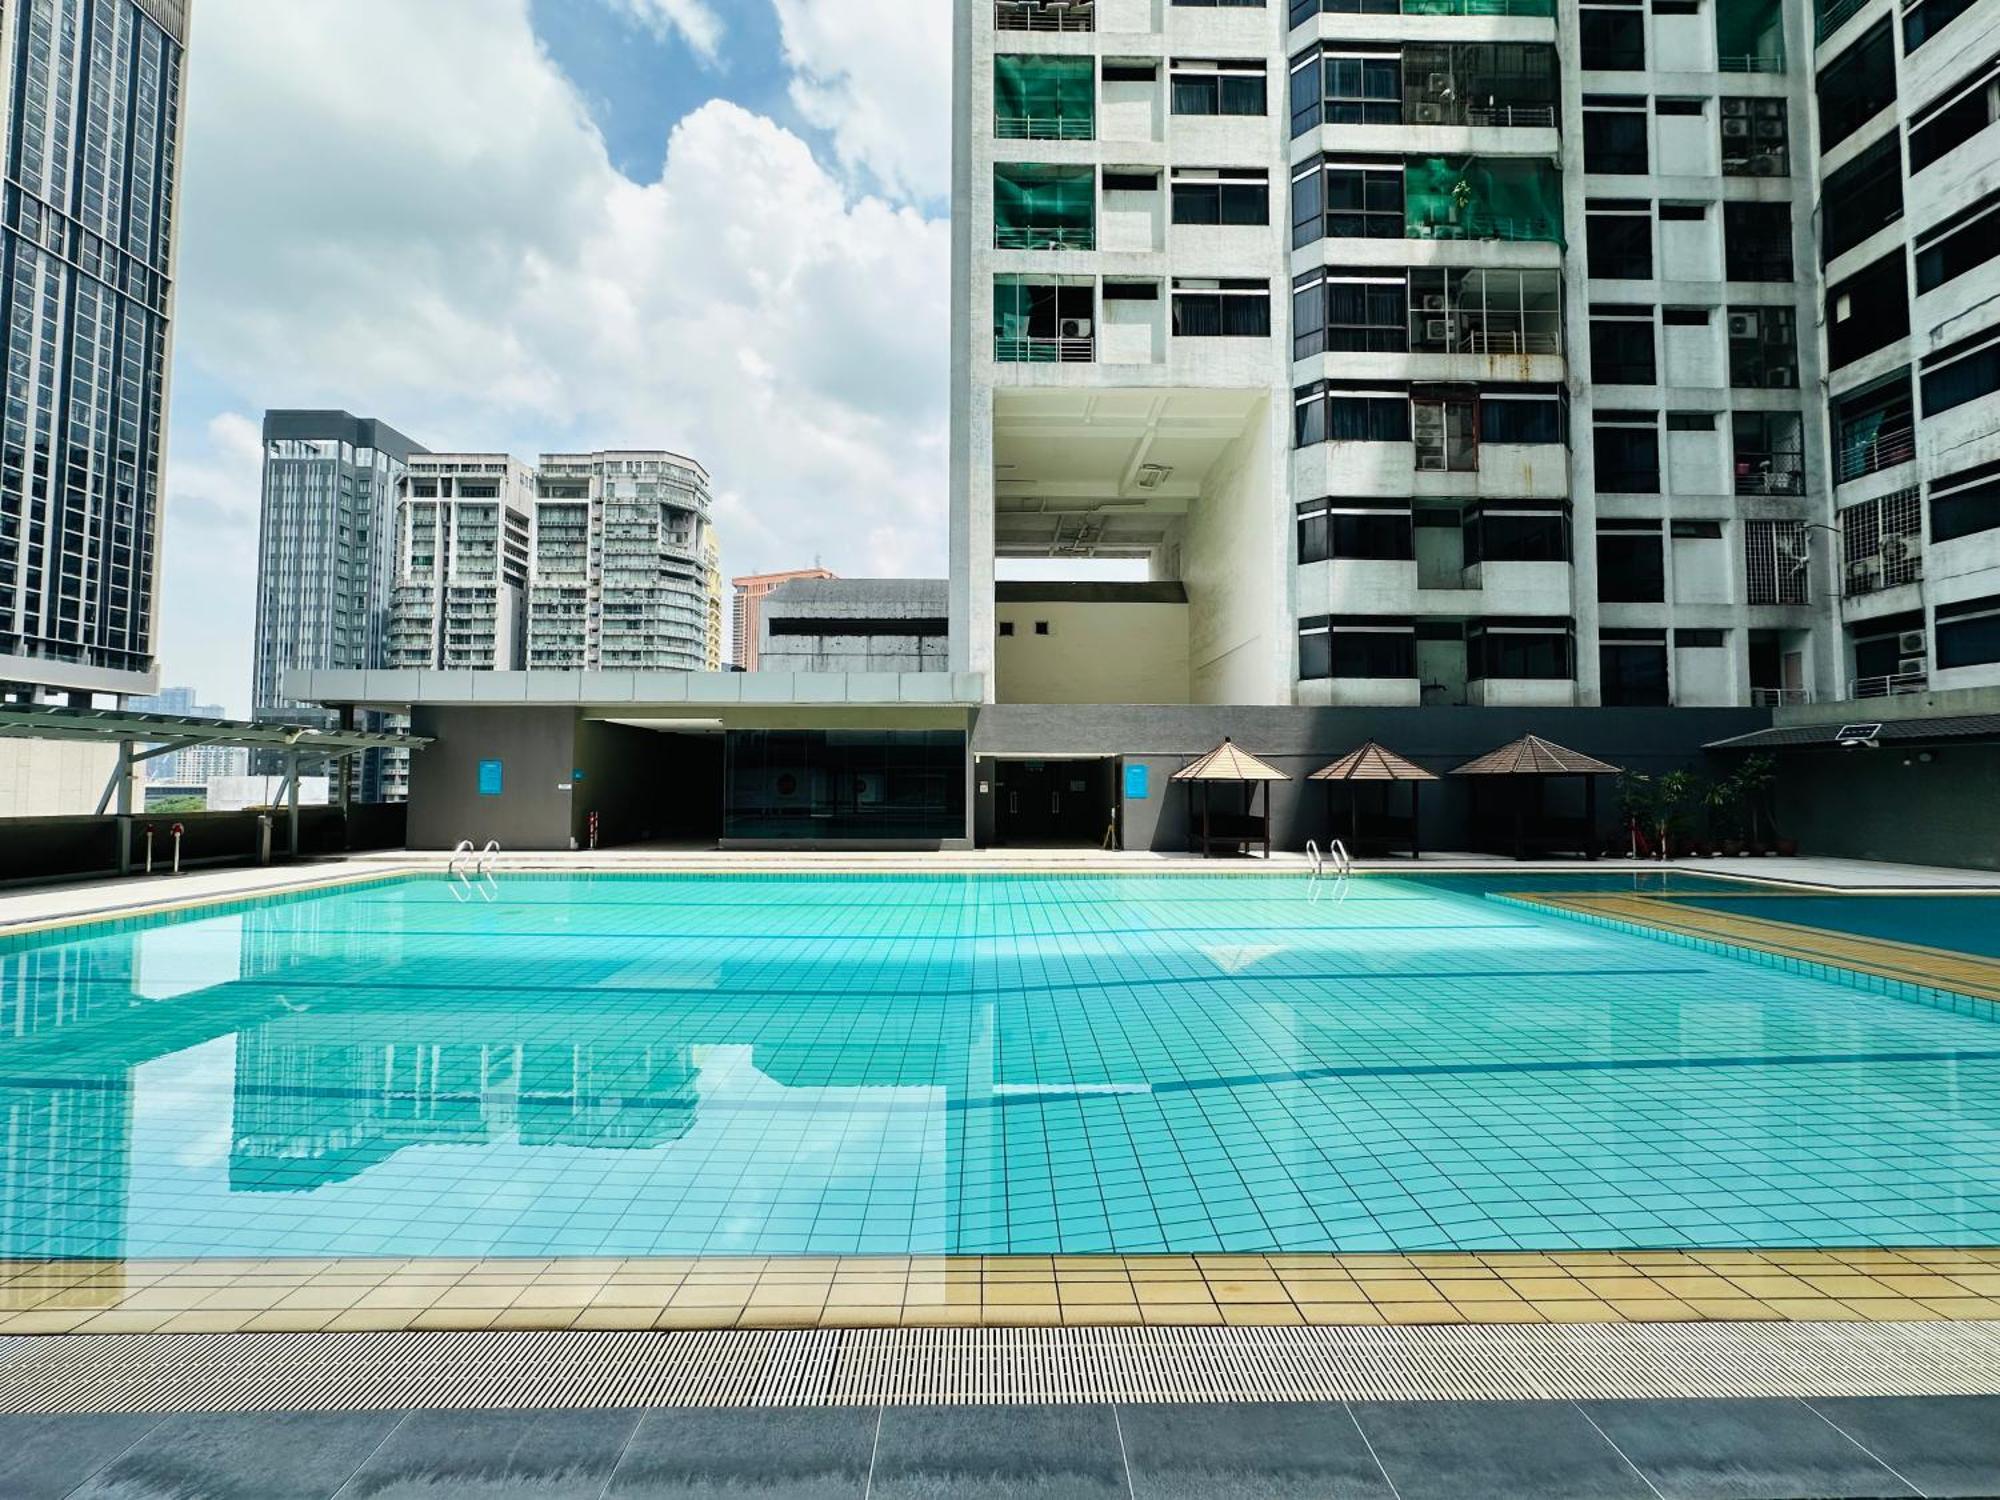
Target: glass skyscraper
x=92, y=117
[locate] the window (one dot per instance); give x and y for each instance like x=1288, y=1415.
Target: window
x=1763, y=348
x=1520, y=417
x=1041, y=627
x=1627, y=453
x=1455, y=311
x=1868, y=311
x=1874, y=427
x=1969, y=238
x=1336, y=412
x=1777, y=557
x=1038, y=207
x=1755, y=141
x=1632, y=668
x=1355, y=86
x=1349, y=311
x=1006, y=628
x=1696, y=531
x=1346, y=646
x=1348, y=199
x=1882, y=542
x=1044, y=99
x=1221, y=195
x=1857, y=86
x=1691, y=421
x=1614, y=40
x=1969, y=108
x=1862, y=197
x=1962, y=372
x=1444, y=425
x=1968, y=633
x=1218, y=88
x=1965, y=503
x=1757, y=241
x=1532, y=650
x=1618, y=238
x=1222, y=309
x=1370, y=530
x=1630, y=563
x=1622, y=345
x=1685, y=317
x=1505, y=531
x=1043, y=320
x=1614, y=134
x=1927, y=18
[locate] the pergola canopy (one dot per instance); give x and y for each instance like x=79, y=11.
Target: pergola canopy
x=1372, y=762
x=1531, y=755
x=1229, y=761
x=115, y=726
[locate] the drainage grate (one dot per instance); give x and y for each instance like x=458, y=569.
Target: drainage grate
x=954, y=1366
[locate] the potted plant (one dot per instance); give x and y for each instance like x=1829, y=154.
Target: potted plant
x=1678, y=792
x=1638, y=807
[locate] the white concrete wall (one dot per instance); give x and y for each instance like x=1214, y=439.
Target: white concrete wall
x=1241, y=636
x=54, y=778
x=1093, y=653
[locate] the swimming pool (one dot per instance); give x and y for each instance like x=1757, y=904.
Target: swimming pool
x=635, y=1065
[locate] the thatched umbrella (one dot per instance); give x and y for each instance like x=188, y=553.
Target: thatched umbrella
x=1534, y=758
x=1374, y=762
x=1229, y=763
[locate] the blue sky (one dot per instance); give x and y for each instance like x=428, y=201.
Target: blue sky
x=715, y=226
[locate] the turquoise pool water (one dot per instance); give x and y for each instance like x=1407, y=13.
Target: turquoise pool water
x=1963, y=924
x=641, y=1065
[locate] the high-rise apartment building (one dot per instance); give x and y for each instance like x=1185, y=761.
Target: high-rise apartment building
x=623, y=564
x=1478, y=351
x=92, y=116
x=747, y=609
x=463, y=524
x=326, y=550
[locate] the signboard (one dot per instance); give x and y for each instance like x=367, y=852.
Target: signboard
x=1138, y=782
x=492, y=778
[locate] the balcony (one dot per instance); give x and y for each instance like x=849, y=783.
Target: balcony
x=1895, y=685
x=1869, y=452
x=1045, y=15
x=1304, y=10
x=1770, y=473
x=1779, y=697
x=1038, y=207
x=1044, y=99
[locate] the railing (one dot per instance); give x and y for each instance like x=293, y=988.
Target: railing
x=1459, y=458
x=1040, y=237
x=1045, y=351
x=1044, y=128
x=1515, y=116
x=1749, y=62
x=1045, y=15
x=1764, y=697
x=1889, y=447
x=1494, y=333
x=1871, y=575
x=1834, y=16
x=1893, y=686
x=1305, y=10
x=1770, y=473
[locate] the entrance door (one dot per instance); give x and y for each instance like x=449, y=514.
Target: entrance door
x=1053, y=802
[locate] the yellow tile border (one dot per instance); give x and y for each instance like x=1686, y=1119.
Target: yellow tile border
x=1909, y=963
x=141, y=1296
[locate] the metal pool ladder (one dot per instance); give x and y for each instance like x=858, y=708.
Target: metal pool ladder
x=1343, y=865
x=471, y=869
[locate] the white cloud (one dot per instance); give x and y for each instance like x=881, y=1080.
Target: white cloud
x=415, y=219
x=876, y=75
x=693, y=20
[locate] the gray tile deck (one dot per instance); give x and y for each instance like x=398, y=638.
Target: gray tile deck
x=1669, y=1450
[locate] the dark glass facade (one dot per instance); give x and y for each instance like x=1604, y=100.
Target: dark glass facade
x=86, y=235
x=833, y=784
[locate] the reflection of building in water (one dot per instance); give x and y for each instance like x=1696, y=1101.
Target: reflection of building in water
x=63, y=1160
x=308, y=1114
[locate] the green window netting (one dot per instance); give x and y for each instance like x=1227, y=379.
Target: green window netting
x=1482, y=198
x=1044, y=208
x=1044, y=98
x=1479, y=7
x=1750, y=36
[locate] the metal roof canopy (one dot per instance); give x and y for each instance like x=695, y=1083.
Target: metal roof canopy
x=1829, y=735
x=170, y=732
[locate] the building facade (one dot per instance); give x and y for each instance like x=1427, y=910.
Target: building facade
x=326, y=550
x=93, y=118
x=746, y=610
x=463, y=523
x=624, y=565
x=856, y=625
x=1471, y=354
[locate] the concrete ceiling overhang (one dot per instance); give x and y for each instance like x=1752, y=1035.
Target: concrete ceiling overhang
x=1107, y=473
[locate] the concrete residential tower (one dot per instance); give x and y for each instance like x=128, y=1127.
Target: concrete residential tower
x=1471, y=354
x=93, y=124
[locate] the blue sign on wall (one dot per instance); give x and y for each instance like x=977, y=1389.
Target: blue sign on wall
x=491, y=778
x=1138, y=783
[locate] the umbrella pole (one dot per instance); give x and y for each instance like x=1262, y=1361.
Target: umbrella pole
x=1590, y=817
x=1416, y=829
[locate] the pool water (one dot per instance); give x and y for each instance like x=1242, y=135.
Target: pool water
x=1959, y=923
x=633, y=1065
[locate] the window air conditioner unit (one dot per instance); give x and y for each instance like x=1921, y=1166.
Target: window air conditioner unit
x=1437, y=330
x=1743, y=325
x=1073, y=328
x=1735, y=125
x=1896, y=549
x=1427, y=114
x=1781, y=377
x=1770, y=130
x=1433, y=302
x=1913, y=643
x=1912, y=666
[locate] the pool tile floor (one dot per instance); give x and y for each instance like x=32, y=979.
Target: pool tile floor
x=1006, y=1291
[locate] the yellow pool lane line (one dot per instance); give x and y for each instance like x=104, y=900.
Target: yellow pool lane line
x=1911, y=963
x=216, y=1296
